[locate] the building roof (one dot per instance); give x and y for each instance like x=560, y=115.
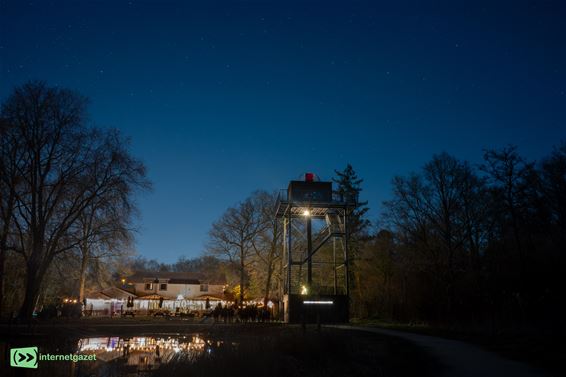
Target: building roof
x=111, y=293
x=153, y=296
x=118, y=293
x=171, y=277
x=184, y=281
x=97, y=296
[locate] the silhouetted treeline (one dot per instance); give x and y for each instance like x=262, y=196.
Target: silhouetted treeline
x=461, y=243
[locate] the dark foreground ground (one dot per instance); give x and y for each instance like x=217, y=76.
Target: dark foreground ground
x=544, y=350
x=462, y=359
x=245, y=350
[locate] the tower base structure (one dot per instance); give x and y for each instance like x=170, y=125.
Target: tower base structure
x=316, y=308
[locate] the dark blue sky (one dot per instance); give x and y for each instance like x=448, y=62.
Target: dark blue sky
x=222, y=98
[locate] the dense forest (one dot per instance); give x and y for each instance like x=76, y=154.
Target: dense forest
x=478, y=244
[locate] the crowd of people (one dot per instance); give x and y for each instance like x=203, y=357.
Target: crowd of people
x=233, y=313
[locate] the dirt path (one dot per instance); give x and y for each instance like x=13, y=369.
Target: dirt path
x=461, y=359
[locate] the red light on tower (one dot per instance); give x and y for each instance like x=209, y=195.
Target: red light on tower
x=309, y=177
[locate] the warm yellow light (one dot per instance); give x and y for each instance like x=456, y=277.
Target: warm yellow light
x=304, y=290
x=123, y=281
x=306, y=212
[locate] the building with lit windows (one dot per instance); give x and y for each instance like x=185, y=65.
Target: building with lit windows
x=173, y=292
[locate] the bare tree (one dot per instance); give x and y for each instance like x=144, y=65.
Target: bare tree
x=233, y=235
x=509, y=176
x=64, y=168
x=102, y=232
x=266, y=244
x=441, y=216
x=553, y=177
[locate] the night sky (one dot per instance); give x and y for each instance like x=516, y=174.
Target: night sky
x=222, y=98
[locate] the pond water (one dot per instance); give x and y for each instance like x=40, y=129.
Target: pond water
x=144, y=353
x=118, y=356
x=217, y=351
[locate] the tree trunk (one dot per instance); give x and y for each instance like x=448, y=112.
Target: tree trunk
x=358, y=289
x=268, y=283
x=36, y=268
x=242, y=271
x=4, y=248
x=2, y=260
x=82, y=274
x=33, y=283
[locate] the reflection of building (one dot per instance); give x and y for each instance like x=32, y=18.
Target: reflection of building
x=176, y=291
x=139, y=354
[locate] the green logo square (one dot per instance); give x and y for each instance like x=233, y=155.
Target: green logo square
x=24, y=357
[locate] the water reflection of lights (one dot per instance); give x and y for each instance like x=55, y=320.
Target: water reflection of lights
x=114, y=347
